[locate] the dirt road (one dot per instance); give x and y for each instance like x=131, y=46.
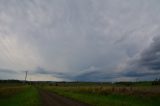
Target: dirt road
x=51, y=99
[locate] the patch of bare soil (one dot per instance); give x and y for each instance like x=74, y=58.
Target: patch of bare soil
x=51, y=99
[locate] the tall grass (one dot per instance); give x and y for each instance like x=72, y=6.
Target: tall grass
x=7, y=91
x=28, y=97
x=111, y=95
x=105, y=90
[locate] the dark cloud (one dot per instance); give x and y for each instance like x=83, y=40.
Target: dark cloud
x=88, y=76
x=150, y=57
x=148, y=64
x=8, y=74
x=138, y=73
x=43, y=71
x=96, y=75
x=7, y=71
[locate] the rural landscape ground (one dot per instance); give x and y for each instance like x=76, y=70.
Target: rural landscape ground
x=80, y=94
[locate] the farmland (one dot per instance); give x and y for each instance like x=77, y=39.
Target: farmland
x=80, y=94
x=106, y=95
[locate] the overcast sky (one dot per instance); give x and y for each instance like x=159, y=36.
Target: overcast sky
x=84, y=40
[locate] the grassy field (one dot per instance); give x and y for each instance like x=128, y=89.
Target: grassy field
x=141, y=94
x=17, y=95
x=111, y=95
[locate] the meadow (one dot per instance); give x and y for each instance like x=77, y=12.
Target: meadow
x=94, y=94
x=18, y=95
x=110, y=94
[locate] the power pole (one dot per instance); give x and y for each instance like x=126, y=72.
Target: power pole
x=30, y=81
x=26, y=76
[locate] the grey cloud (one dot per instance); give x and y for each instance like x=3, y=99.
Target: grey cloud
x=9, y=74
x=8, y=71
x=151, y=56
x=40, y=70
x=140, y=73
x=148, y=63
x=64, y=38
x=96, y=76
x=88, y=76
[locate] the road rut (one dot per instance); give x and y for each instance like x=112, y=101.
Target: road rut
x=52, y=99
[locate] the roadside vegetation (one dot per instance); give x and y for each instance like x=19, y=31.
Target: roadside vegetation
x=18, y=95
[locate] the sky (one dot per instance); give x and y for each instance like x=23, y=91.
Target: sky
x=80, y=40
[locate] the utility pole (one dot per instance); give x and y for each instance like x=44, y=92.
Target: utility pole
x=30, y=81
x=26, y=76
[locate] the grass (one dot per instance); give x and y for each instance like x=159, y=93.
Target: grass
x=95, y=97
x=7, y=91
x=28, y=97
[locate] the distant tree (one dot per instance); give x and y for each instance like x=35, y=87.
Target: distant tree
x=10, y=81
x=156, y=81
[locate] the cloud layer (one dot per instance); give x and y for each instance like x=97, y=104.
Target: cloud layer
x=87, y=40
x=151, y=57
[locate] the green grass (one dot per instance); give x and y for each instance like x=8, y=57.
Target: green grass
x=28, y=97
x=108, y=100
x=107, y=95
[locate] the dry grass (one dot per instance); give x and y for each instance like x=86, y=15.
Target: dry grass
x=105, y=90
x=6, y=91
x=111, y=95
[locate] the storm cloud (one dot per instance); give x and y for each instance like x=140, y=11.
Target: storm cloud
x=91, y=40
x=148, y=62
x=151, y=56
